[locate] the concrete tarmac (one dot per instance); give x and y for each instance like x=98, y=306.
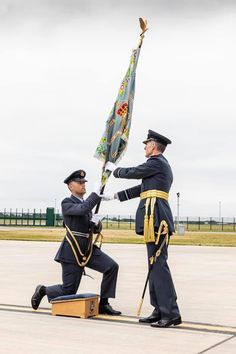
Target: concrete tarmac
x=205, y=281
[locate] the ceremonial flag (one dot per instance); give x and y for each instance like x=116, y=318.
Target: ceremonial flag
x=113, y=143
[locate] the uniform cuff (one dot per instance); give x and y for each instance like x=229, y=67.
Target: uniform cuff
x=116, y=173
x=122, y=196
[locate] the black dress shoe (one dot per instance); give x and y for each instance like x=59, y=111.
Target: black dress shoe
x=154, y=317
x=37, y=297
x=167, y=322
x=108, y=310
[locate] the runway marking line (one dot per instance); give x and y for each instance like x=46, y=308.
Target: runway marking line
x=202, y=327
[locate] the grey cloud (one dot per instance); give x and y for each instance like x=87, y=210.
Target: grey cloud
x=53, y=9
x=185, y=89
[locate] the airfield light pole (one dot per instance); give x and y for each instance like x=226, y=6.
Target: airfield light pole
x=178, y=195
x=219, y=212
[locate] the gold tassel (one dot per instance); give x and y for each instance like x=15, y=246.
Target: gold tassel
x=151, y=232
x=149, y=228
x=151, y=237
x=146, y=220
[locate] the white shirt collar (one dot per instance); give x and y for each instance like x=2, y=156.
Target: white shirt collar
x=81, y=199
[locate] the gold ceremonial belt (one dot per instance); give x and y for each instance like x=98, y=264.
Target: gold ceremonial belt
x=154, y=193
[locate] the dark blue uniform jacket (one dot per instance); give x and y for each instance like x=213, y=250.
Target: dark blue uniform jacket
x=155, y=173
x=76, y=215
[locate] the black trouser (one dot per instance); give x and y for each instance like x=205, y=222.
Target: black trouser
x=72, y=273
x=162, y=291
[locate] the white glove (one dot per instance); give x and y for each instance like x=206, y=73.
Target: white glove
x=96, y=218
x=107, y=197
x=97, y=188
x=110, y=166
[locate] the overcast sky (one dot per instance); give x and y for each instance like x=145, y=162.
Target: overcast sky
x=61, y=64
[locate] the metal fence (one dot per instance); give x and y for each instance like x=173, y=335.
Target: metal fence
x=215, y=224
x=49, y=218
x=30, y=217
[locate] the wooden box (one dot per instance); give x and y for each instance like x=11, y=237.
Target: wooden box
x=78, y=305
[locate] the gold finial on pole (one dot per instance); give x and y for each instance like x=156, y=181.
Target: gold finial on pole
x=144, y=27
